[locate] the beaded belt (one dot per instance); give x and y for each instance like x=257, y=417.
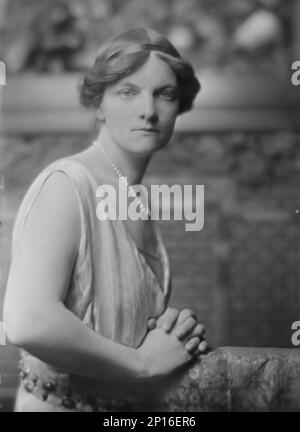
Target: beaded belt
x=62, y=396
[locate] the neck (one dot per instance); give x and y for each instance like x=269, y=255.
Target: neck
x=132, y=165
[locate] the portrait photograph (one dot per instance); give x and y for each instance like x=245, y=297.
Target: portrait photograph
x=149, y=206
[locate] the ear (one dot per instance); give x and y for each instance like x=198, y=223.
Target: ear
x=100, y=115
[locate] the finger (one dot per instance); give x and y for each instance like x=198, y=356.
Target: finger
x=199, y=331
x=151, y=324
x=186, y=313
x=203, y=346
x=192, y=345
x=183, y=330
x=168, y=319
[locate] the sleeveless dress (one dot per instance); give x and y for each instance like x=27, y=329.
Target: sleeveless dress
x=113, y=291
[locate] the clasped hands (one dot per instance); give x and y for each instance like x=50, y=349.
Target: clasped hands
x=183, y=324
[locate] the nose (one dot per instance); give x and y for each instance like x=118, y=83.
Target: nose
x=148, y=109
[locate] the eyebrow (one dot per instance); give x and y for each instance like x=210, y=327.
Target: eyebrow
x=164, y=86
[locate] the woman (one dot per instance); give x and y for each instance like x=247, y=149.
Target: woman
x=86, y=299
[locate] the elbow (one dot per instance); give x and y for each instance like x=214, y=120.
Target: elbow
x=12, y=334
x=14, y=331
x=20, y=329
x=9, y=322
x=13, y=320
x=21, y=336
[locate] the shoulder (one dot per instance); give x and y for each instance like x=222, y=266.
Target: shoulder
x=54, y=213
x=56, y=190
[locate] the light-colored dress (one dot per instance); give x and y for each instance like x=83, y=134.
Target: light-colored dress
x=113, y=290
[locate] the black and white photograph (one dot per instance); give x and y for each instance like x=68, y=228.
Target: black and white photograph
x=150, y=207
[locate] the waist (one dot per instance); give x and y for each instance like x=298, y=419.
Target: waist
x=75, y=392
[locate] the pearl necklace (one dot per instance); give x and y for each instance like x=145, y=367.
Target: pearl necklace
x=122, y=177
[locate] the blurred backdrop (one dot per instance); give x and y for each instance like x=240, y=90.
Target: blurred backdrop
x=242, y=141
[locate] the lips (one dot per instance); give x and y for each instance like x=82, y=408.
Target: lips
x=147, y=129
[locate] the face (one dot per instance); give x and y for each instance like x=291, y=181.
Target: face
x=139, y=111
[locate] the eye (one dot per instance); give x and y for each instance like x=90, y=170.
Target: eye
x=127, y=92
x=169, y=95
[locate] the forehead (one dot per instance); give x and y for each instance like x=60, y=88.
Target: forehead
x=154, y=73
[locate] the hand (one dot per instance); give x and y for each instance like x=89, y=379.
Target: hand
x=184, y=325
x=161, y=353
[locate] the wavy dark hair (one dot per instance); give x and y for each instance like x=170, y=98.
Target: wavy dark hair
x=124, y=54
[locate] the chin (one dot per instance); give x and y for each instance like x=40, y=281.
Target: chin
x=146, y=148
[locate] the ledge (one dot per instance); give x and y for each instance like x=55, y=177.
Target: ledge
x=226, y=379
x=34, y=104
x=236, y=379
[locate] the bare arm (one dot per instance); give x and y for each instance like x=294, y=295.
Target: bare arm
x=35, y=316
